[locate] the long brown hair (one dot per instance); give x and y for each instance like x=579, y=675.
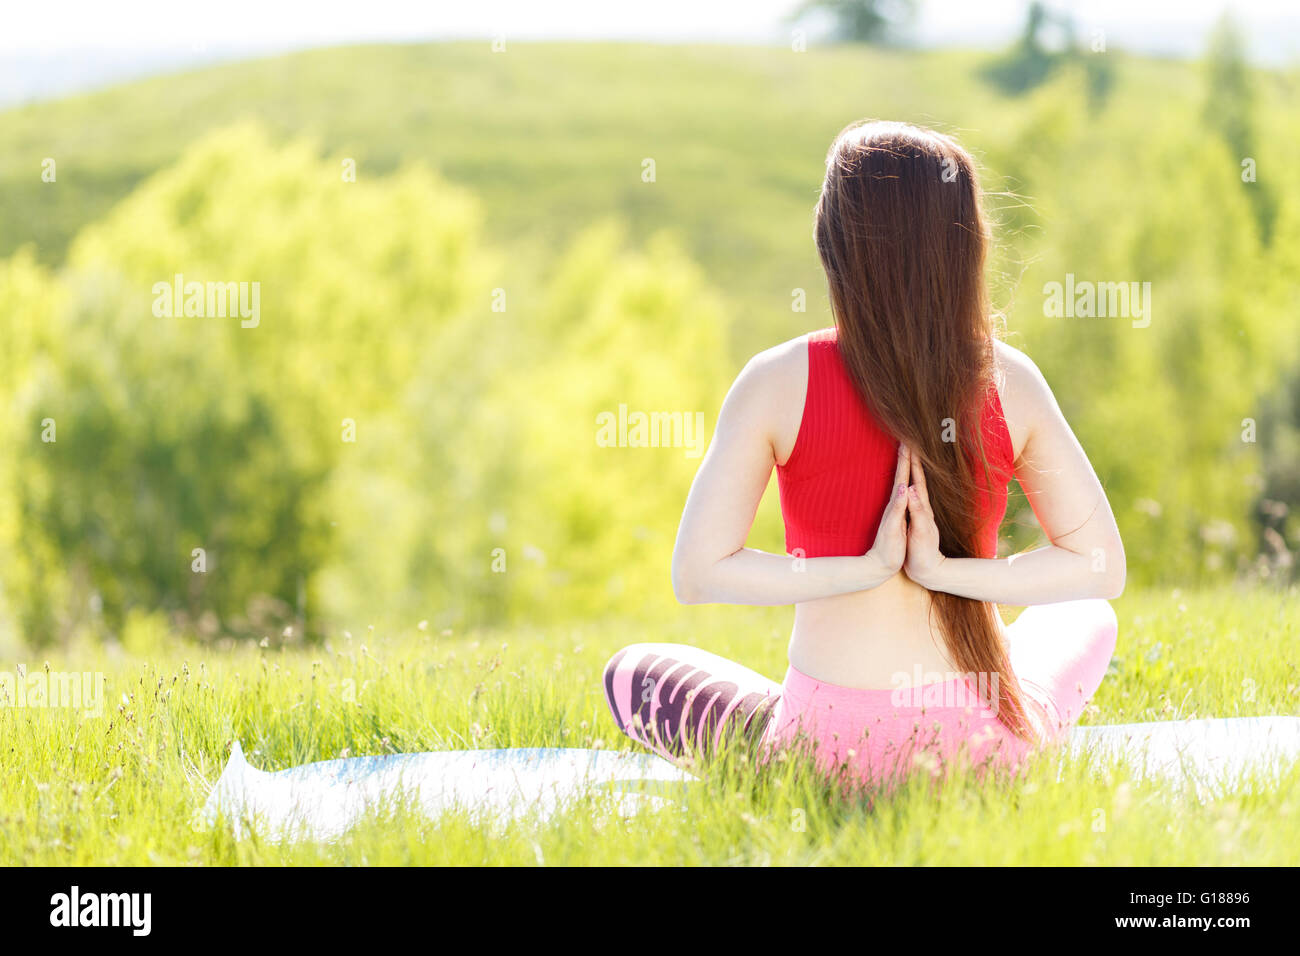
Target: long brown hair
x=902, y=237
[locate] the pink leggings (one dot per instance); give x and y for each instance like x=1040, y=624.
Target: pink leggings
x=677, y=699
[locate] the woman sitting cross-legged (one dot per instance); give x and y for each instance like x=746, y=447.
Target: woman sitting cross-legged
x=894, y=435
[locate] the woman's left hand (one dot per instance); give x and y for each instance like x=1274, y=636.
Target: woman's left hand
x=923, y=556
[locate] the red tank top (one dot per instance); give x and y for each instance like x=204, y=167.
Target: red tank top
x=836, y=483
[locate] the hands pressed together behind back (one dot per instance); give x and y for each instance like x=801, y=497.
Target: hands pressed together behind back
x=907, y=538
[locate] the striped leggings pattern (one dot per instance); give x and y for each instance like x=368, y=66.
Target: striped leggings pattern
x=680, y=700
x=683, y=701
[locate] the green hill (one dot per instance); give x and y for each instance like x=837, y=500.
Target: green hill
x=480, y=172
x=552, y=137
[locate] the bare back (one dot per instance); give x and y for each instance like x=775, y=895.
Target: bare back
x=887, y=636
x=881, y=633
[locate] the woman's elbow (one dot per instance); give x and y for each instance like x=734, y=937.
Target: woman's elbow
x=687, y=585
x=1113, y=585
x=1111, y=578
x=687, y=592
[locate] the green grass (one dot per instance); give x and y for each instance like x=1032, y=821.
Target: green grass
x=122, y=788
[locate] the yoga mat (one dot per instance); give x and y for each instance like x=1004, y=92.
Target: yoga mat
x=322, y=800
x=1211, y=755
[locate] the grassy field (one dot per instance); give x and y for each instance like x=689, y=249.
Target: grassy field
x=547, y=141
x=122, y=788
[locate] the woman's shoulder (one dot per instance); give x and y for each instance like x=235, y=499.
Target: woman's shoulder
x=787, y=364
x=1016, y=372
x=1010, y=359
x=773, y=386
x=1023, y=392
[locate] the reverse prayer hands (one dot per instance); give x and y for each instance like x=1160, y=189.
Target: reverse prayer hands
x=907, y=538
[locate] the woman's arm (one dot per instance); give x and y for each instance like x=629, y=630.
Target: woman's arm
x=1086, y=556
x=711, y=564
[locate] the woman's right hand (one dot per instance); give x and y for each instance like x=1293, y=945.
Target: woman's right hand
x=889, y=551
x=924, y=559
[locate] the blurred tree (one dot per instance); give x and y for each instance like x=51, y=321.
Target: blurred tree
x=1099, y=71
x=187, y=458
x=862, y=21
x=1230, y=107
x=1277, y=507
x=385, y=443
x=1029, y=62
x=1229, y=103
x=622, y=333
x=1048, y=42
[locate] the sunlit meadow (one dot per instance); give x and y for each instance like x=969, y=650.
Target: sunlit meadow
x=124, y=788
x=213, y=515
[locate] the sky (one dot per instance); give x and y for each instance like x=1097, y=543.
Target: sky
x=49, y=49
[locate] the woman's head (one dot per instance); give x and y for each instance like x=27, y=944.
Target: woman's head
x=902, y=237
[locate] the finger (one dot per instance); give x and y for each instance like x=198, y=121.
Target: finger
x=916, y=519
x=918, y=475
x=904, y=463
x=918, y=482
x=917, y=506
x=897, y=510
